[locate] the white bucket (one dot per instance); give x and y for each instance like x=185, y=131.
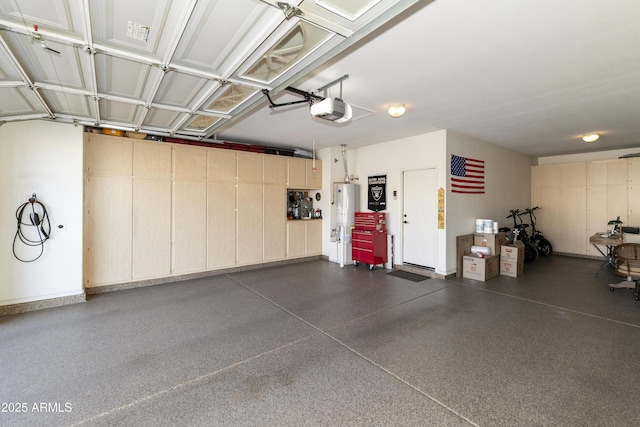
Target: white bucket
x=479, y=225
x=488, y=226
x=495, y=227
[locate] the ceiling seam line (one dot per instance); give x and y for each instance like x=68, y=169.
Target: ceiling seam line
x=92, y=60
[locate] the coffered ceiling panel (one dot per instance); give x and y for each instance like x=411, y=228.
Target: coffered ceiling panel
x=120, y=113
x=70, y=105
x=142, y=27
x=180, y=68
x=125, y=78
x=533, y=75
x=20, y=103
x=221, y=34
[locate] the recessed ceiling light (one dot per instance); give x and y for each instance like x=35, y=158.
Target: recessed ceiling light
x=396, y=111
x=592, y=137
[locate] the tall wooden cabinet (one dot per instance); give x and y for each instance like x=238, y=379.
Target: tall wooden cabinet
x=189, y=209
x=221, y=208
x=301, y=174
x=155, y=209
x=578, y=199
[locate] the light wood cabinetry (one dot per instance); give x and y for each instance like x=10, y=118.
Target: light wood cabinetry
x=250, y=167
x=633, y=192
x=275, y=170
x=250, y=223
x=296, y=238
x=107, y=229
x=156, y=209
x=221, y=165
x=275, y=219
x=296, y=173
x=104, y=156
x=189, y=163
x=314, y=237
x=189, y=246
x=578, y=199
x=313, y=170
x=301, y=176
x=304, y=238
x=151, y=160
x=151, y=228
x=558, y=190
x=190, y=226
x=221, y=224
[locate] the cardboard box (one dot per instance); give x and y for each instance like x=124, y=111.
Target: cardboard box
x=513, y=252
x=491, y=241
x=463, y=247
x=477, y=268
x=511, y=267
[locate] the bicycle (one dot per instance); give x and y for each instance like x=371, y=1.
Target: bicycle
x=520, y=233
x=542, y=244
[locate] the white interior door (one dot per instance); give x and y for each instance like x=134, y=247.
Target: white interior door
x=420, y=218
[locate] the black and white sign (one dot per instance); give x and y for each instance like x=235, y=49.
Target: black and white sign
x=377, y=193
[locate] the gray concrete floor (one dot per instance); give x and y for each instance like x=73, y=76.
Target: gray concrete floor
x=314, y=344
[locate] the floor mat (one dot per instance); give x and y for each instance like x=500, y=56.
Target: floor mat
x=409, y=276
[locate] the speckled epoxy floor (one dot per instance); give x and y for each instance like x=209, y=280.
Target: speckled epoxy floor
x=314, y=344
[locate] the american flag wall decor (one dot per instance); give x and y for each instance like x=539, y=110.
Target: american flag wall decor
x=467, y=175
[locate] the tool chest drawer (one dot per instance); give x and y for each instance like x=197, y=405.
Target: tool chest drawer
x=375, y=221
x=369, y=247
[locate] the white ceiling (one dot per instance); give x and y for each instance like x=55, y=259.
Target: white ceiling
x=532, y=76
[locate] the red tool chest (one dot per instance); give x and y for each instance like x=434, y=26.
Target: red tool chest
x=369, y=239
x=374, y=221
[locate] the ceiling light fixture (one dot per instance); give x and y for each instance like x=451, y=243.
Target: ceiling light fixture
x=592, y=137
x=396, y=111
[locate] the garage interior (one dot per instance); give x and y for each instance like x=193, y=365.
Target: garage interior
x=167, y=139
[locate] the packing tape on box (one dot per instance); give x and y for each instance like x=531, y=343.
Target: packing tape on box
x=481, y=250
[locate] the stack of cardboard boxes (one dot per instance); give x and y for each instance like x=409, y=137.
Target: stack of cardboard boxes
x=512, y=260
x=507, y=260
x=475, y=267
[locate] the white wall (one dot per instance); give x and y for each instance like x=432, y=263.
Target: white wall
x=507, y=179
x=392, y=159
x=507, y=186
x=43, y=158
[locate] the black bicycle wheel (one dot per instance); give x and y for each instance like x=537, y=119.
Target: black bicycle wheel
x=544, y=247
x=530, y=252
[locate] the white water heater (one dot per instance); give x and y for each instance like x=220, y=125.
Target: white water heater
x=347, y=202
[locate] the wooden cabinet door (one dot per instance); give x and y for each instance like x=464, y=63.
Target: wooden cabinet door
x=221, y=224
x=633, y=193
x=250, y=167
x=108, y=155
x=221, y=165
x=275, y=170
x=314, y=177
x=107, y=230
x=275, y=220
x=314, y=237
x=151, y=228
x=189, y=163
x=296, y=173
x=151, y=159
x=249, y=230
x=189, y=226
x=296, y=238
